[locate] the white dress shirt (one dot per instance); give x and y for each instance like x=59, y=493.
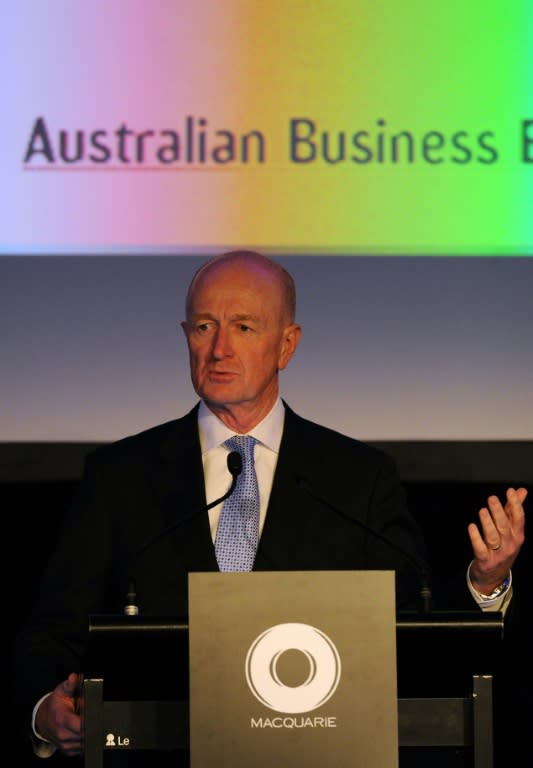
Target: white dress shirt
x=214, y=432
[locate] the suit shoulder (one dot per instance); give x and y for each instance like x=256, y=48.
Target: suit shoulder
x=144, y=443
x=327, y=440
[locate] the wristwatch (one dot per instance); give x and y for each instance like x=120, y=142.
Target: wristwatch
x=498, y=591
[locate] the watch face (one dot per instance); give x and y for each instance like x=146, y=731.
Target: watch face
x=497, y=592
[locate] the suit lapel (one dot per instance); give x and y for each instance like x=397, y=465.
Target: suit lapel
x=290, y=510
x=178, y=484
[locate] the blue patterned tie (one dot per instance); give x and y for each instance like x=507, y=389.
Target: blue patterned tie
x=238, y=527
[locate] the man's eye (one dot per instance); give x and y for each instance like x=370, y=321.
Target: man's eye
x=202, y=327
x=244, y=328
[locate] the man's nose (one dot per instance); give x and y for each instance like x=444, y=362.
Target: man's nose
x=222, y=344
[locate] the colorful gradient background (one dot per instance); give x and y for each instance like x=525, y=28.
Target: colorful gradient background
x=246, y=65
x=414, y=293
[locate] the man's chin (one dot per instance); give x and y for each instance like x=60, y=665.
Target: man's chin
x=221, y=396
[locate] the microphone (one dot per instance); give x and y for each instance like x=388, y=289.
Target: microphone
x=234, y=462
x=420, y=567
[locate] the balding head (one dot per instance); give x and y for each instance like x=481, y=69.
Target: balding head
x=255, y=261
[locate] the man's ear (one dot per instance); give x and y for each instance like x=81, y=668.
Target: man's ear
x=290, y=340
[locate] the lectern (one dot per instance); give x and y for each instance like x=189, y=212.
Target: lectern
x=136, y=686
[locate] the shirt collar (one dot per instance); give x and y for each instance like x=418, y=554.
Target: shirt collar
x=213, y=432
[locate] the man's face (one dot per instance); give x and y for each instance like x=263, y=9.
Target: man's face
x=237, y=337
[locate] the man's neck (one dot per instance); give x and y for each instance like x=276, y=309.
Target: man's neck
x=242, y=417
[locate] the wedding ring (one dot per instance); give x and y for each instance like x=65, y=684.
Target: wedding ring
x=495, y=549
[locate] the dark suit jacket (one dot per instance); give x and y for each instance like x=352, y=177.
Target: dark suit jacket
x=328, y=493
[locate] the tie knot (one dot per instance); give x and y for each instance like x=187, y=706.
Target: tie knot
x=244, y=444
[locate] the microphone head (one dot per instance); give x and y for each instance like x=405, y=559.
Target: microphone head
x=235, y=463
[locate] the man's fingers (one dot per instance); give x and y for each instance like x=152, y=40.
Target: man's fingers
x=514, y=508
x=479, y=547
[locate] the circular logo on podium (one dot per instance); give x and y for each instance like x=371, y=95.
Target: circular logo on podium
x=262, y=668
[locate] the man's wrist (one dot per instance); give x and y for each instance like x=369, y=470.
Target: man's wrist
x=496, y=593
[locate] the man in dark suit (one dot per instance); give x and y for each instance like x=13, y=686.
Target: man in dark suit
x=322, y=495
